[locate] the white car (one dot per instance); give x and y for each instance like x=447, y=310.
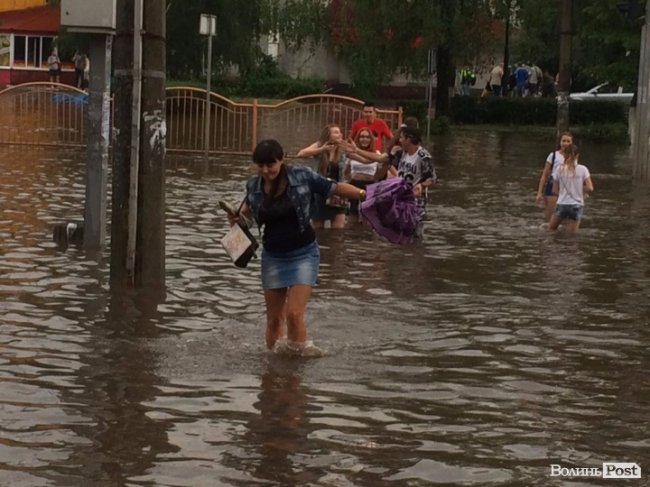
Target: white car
x=594, y=94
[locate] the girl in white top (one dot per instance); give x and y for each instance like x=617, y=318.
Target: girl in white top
x=545, y=186
x=361, y=173
x=570, y=181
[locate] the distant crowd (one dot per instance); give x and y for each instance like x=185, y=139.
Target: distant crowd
x=520, y=80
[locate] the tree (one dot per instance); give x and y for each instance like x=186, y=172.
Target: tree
x=378, y=40
x=238, y=28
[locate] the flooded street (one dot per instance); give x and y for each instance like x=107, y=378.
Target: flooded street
x=479, y=357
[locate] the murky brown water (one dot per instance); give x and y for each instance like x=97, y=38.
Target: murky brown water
x=479, y=358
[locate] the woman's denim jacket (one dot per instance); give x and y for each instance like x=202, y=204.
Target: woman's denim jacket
x=304, y=184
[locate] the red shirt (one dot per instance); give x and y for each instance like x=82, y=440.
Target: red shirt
x=378, y=128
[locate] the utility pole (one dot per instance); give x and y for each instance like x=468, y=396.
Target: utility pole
x=97, y=18
x=641, y=135
x=97, y=141
x=138, y=223
x=123, y=76
x=564, y=73
x=150, y=248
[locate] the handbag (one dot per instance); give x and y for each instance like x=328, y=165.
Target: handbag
x=239, y=243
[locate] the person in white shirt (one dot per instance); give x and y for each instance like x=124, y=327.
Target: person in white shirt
x=361, y=172
x=545, y=185
x=570, y=182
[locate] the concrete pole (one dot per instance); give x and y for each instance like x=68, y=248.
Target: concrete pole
x=123, y=75
x=135, y=135
x=564, y=78
x=97, y=141
x=150, y=244
x=641, y=134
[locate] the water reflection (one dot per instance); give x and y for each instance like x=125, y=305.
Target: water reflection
x=279, y=432
x=479, y=356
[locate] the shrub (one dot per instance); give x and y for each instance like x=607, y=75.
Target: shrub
x=601, y=112
x=533, y=111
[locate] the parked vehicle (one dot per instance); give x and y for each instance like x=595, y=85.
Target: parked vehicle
x=595, y=94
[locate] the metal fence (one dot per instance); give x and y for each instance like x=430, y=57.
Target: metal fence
x=42, y=114
x=53, y=114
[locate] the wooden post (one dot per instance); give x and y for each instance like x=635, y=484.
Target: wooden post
x=564, y=78
x=97, y=141
x=122, y=144
x=150, y=246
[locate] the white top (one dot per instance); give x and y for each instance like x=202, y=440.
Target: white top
x=571, y=184
x=559, y=159
x=357, y=167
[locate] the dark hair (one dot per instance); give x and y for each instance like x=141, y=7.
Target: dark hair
x=368, y=104
x=412, y=133
x=267, y=152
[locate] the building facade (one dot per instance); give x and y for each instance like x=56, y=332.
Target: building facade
x=27, y=36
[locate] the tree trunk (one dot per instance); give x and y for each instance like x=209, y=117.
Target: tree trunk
x=445, y=80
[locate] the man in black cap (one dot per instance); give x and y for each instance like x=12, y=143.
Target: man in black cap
x=415, y=165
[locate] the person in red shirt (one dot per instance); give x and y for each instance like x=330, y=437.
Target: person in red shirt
x=378, y=127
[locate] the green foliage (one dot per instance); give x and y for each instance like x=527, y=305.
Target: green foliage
x=414, y=108
x=238, y=28
x=533, y=111
x=519, y=111
x=597, y=112
x=605, y=42
x=441, y=126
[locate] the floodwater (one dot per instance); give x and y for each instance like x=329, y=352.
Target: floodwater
x=480, y=357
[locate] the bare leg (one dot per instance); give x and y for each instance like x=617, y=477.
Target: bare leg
x=339, y=221
x=554, y=223
x=353, y=218
x=275, y=314
x=297, y=298
x=572, y=226
x=549, y=207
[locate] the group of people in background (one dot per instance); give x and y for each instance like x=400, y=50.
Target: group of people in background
x=290, y=202
x=520, y=80
x=360, y=161
x=81, y=68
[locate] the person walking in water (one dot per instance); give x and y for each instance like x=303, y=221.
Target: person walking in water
x=331, y=164
x=281, y=200
x=545, y=186
x=570, y=182
x=360, y=174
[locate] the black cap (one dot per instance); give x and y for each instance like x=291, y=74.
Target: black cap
x=412, y=133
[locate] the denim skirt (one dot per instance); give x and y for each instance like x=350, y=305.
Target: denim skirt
x=284, y=269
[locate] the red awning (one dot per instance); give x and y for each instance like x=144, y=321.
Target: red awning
x=35, y=20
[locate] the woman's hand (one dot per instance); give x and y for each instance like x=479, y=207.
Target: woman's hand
x=539, y=197
x=347, y=145
x=233, y=218
x=417, y=190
